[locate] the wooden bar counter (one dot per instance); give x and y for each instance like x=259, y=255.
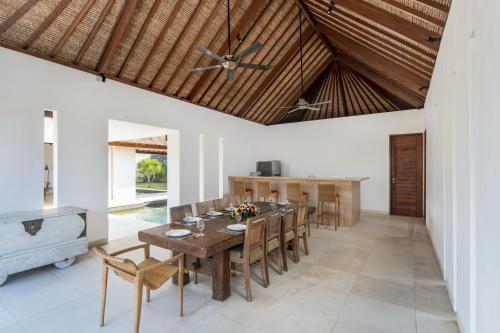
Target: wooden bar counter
x=347, y=188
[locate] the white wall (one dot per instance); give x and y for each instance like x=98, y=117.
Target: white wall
x=121, y=176
x=355, y=146
x=30, y=85
x=345, y=147
x=463, y=121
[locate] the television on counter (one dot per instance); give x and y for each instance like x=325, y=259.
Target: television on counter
x=269, y=168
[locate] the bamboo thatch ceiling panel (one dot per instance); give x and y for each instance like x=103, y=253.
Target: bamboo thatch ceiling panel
x=368, y=56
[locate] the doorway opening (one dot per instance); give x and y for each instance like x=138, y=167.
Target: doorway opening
x=50, y=160
x=143, y=164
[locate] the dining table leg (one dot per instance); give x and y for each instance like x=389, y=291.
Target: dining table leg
x=221, y=275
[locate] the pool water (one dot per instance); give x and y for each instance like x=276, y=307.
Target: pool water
x=156, y=213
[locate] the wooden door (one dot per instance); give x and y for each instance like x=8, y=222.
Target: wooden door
x=406, y=181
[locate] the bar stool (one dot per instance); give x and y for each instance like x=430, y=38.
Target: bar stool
x=327, y=194
x=264, y=191
x=294, y=193
x=240, y=191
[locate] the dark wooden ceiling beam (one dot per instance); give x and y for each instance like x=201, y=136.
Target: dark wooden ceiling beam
x=159, y=39
x=288, y=90
x=116, y=36
x=259, y=92
x=313, y=24
x=46, y=23
x=195, y=41
x=401, y=59
x=140, y=36
x=434, y=5
x=373, y=30
x=251, y=14
x=179, y=37
x=387, y=84
x=9, y=22
x=360, y=30
x=384, y=66
x=76, y=21
x=236, y=50
x=392, y=22
x=93, y=32
x=258, y=74
x=405, y=8
x=290, y=76
x=277, y=116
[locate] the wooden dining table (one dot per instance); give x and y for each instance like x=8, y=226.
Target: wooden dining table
x=213, y=246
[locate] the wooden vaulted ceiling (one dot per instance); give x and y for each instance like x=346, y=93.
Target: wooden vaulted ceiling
x=367, y=56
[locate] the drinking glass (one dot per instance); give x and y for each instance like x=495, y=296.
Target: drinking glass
x=188, y=215
x=200, y=225
x=231, y=205
x=273, y=206
x=211, y=211
x=238, y=218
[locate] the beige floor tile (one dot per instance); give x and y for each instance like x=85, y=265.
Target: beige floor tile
x=427, y=323
x=382, y=290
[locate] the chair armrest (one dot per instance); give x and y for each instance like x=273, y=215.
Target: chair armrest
x=129, y=249
x=168, y=261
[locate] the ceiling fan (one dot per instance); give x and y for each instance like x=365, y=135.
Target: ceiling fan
x=231, y=61
x=303, y=104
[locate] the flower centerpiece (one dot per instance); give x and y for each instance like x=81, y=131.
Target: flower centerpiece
x=245, y=210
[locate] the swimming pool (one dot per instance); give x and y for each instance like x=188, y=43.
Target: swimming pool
x=154, y=212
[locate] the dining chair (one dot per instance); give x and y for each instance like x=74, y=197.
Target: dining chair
x=150, y=273
x=301, y=227
x=288, y=236
x=251, y=251
x=273, y=241
x=179, y=212
x=264, y=191
x=202, y=208
x=294, y=192
x=240, y=191
x=327, y=194
x=221, y=204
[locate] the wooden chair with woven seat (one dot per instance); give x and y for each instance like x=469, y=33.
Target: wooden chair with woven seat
x=179, y=212
x=301, y=226
x=202, y=208
x=273, y=241
x=265, y=192
x=288, y=237
x=221, y=204
x=150, y=273
x=327, y=194
x=252, y=250
x=241, y=192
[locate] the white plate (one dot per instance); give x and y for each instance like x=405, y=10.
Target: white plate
x=192, y=219
x=236, y=227
x=283, y=203
x=229, y=209
x=215, y=213
x=178, y=233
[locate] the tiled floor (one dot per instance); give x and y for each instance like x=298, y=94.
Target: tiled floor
x=379, y=276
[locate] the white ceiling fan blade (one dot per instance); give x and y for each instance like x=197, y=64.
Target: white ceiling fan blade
x=252, y=49
x=297, y=109
x=313, y=109
x=320, y=103
x=256, y=67
x=209, y=53
x=199, y=69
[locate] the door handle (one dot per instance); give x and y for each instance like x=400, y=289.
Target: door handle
x=393, y=180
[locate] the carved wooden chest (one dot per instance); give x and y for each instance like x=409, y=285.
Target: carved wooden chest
x=37, y=238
